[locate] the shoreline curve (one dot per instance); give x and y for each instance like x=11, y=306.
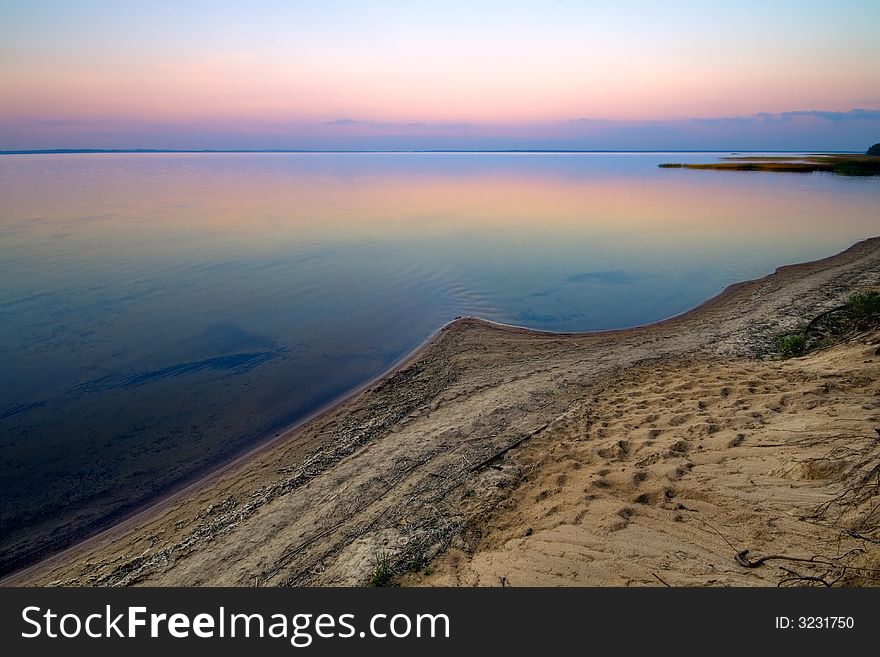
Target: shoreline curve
x=459, y=325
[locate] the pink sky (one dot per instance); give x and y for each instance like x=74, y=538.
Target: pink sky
x=435, y=75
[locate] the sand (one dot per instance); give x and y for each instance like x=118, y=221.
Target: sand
x=674, y=467
x=502, y=456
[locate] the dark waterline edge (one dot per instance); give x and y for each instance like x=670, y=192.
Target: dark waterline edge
x=52, y=552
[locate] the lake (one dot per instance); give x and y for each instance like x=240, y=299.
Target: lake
x=162, y=313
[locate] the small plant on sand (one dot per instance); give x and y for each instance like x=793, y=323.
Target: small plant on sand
x=382, y=573
x=417, y=563
x=791, y=344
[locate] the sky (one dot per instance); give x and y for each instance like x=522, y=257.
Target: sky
x=419, y=74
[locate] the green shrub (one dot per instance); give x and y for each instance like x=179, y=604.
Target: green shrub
x=791, y=344
x=863, y=305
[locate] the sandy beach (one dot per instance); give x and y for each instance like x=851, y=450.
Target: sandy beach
x=498, y=456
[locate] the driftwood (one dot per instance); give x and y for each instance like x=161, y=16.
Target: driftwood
x=516, y=443
x=818, y=318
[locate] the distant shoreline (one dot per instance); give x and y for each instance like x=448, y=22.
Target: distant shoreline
x=90, y=151
x=839, y=164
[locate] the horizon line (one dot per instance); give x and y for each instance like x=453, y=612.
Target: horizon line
x=87, y=151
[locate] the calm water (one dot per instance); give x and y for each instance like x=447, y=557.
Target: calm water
x=159, y=313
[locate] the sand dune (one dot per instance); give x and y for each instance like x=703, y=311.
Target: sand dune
x=498, y=455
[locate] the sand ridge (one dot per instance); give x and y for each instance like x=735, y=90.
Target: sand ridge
x=399, y=468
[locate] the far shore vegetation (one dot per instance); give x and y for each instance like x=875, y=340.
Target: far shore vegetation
x=840, y=164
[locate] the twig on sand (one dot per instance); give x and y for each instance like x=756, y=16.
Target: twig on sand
x=661, y=580
x=732, y=547
x=833, y=562
x=803, y=578
x=742, y=558
x=516, y=443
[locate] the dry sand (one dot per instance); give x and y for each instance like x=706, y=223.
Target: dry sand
x=674, y=467
x=499, y=456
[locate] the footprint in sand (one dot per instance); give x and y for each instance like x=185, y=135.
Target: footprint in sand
x=679, y=447
x=678, y=420
x=619, y=451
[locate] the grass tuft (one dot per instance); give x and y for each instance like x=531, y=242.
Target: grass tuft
x=382, y=573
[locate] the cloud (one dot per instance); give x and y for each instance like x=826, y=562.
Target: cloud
x=786, y=117
x=851, y=115
x=62, y=122
x=400, y=125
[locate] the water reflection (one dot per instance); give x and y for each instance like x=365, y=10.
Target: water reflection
x=162, y=312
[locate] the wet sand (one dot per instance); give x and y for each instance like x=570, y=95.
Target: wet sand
x=498, y=455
